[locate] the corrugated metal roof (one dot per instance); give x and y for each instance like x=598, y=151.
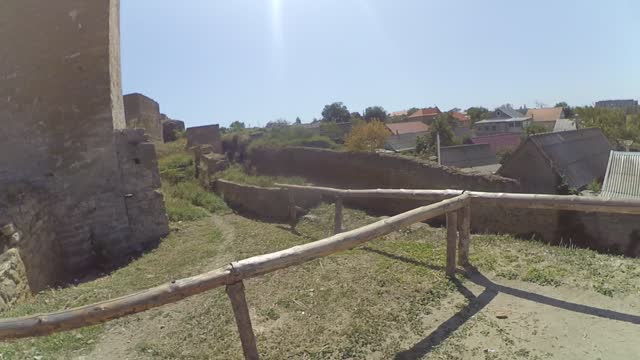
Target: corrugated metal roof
x=465, y=156
x=623, y=176
x=580, y=156
x=403, y=142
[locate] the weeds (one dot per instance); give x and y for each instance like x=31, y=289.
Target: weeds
x=237, y=174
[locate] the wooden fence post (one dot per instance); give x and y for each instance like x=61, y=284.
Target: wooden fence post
x=293, y=214
x=243, y=320
x=337, y=223
x=464, y=235
x=452, y=242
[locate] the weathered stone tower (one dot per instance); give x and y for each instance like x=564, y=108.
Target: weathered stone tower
x=80, y=187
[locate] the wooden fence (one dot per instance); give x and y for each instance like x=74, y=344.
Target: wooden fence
x=455, y=204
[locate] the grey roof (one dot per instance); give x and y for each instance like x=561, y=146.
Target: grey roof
x=403, y=142
x=489, y=121
x=466, y=156
x=580, y=156
x=511, y=112
x=564, y=125
x=623, y=176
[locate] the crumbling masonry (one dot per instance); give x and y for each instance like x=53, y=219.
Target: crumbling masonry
x=79, y=186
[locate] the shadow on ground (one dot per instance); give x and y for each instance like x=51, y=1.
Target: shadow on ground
x=477, y=303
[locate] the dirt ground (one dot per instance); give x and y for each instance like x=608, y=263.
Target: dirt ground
x=488, y=317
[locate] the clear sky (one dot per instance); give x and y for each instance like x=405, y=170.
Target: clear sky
x=216, y=61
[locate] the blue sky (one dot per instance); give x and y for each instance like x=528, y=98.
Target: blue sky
x=216, y=61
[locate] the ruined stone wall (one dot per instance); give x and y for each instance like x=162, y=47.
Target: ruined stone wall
x=142, y=112
x=170, y=127
x=371, y=170
x=263, y=203
x=205, y=135
x=60, y=103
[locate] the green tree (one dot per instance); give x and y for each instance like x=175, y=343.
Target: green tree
x=568, y=111
x=336, y=112
x=534, y=129
x=612, y=122
x=367, y=136
x=355, y=116
x=298, y=121
x=375, y=113
x=443, y=125
x=477, y=113
x=236, y=126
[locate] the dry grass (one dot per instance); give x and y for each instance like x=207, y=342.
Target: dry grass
x=371, y=302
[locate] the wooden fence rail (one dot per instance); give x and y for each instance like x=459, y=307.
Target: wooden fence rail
x=44, y=324
x=455, y=204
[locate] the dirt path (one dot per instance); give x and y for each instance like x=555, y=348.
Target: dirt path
x=120, y=339
x=514, y=319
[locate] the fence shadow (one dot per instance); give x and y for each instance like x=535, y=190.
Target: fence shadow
x=477, y=303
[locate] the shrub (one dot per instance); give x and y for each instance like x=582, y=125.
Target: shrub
x=182, y=210
x=176, y=168
x=367, y=136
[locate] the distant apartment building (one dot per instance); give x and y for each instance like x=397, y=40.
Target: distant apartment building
x=618, y=104
x=503, y=120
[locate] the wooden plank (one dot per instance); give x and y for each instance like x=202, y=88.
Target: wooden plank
x=452, y=242
x=408, y=194
x=293, y=211
x=464, y=235
x=530, y=201
x=263, y=264
x=38, y=325
x=44, y=324
x=236, y=294
x=557, y=202
x=337, y=221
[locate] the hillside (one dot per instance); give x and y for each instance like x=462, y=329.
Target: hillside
x=388, y=298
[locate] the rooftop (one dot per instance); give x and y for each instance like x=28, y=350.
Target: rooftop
x=407, y=127
x=622, y=179
x=545, y=114
x=466, y=156
x=493, y=121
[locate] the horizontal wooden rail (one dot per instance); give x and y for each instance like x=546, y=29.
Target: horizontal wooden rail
x=44, y=324
x=526, y=201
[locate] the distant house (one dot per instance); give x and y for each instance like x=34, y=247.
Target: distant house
x=399, y=113
x=552, y=163
x=463, y=119
x=546, y=117
x=426, y=115
x=622, y=179
x=467, y=156
x=403, y=142
x=407, y=127
x=499, y=142
x=618, y=104
x=502, y=120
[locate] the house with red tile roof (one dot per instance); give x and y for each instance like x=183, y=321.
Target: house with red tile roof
x=426, y=115
x=463, y=119
x=407, y=127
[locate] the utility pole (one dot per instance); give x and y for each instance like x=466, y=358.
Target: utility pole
x=438, y=146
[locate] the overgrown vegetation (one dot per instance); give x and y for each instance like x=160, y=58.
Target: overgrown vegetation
x=185, y=199
x=237, y=174
x=367, y=136
x=287, y=135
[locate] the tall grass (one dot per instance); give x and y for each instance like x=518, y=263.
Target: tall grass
x=237, y=174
